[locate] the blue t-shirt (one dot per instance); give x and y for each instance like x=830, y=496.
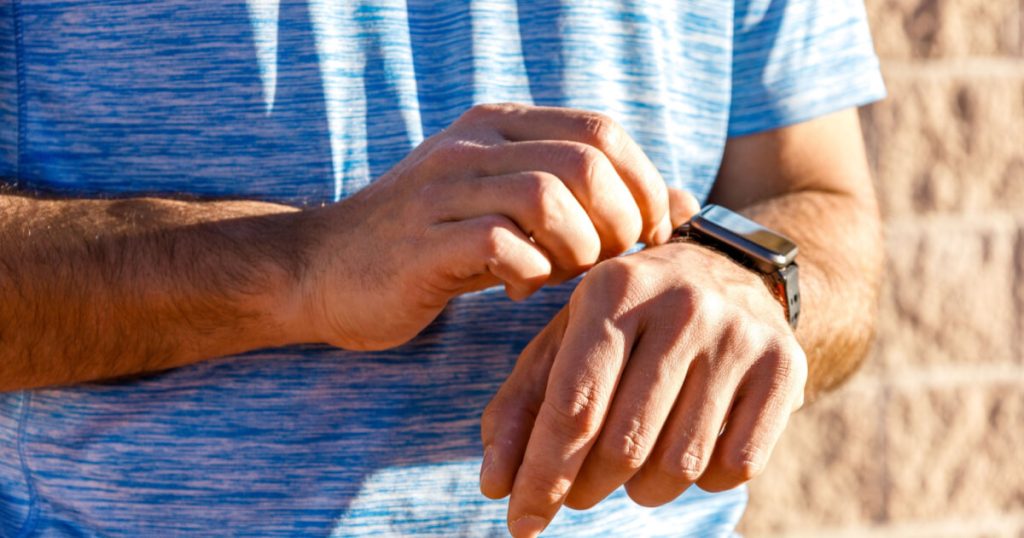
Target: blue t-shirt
x=305, y=103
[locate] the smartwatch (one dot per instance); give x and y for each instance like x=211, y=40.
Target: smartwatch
x=764, y=251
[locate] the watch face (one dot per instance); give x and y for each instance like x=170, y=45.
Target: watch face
x=763, y=246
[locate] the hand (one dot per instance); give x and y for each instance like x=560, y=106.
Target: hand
x=508, y=194
x=633, y=382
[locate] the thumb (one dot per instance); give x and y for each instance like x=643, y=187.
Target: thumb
x=682, y=205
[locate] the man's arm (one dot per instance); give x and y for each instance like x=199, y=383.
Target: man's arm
x=508, y=194
x=93, y=289
x=675, y=365
x=811, y=182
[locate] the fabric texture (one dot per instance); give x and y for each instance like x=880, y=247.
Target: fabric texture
x=306, y=103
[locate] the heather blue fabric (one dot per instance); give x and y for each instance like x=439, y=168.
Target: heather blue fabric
x=305, y=103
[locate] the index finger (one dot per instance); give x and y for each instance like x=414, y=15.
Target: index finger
x=583, y=378
x=519, y=123
x=507, y=420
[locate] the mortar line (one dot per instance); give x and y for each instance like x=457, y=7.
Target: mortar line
x=950, y=527
x=975, y=220
x=923, y=376
x=977, y=66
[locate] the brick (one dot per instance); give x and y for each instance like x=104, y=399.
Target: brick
x=826, y=470
x=988, y=527
x=945, y=28
x=948, y=142
x=948, y=296
x=955, y=451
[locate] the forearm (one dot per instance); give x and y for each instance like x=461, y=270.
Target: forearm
x=840, y=266
x=811, y=182
x=92, y=289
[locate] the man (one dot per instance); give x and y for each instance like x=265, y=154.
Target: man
x=200, y=190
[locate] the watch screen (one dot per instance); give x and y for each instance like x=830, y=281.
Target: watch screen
x=747, y=235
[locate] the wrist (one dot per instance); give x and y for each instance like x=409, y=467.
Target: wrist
x=291, y=276
x=770, y=281
x=741, y=284
x=765, y=252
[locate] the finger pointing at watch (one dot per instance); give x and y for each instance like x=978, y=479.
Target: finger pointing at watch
x=510, y=195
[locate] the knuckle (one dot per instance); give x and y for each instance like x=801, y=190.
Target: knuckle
x=601, y=131
x=687, y=467
x=618, y=270
x=546, y=490
x=582, y=161
x=633, y=276
x=782, y=369
x=456, y=150
x=787, y=381
x=737, y=337
x=709, y=308
x=787, y=367
x=743, y=465
x=491, y=235
x=614, y=287
x=797, y=360
x=798, y=381
x=576, y=412
x=483, y=111
x=626, y=451
x=540, y=190
x=686, y=300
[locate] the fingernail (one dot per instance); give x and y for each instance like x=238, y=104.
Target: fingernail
x=487, y=463
x=527, y=526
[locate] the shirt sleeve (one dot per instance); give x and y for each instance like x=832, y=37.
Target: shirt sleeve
x=795, y=60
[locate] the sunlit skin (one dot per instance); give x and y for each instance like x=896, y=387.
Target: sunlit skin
x=657, y=352
x=629, y=384
x=507, y=195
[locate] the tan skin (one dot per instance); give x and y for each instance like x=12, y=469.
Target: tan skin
x=656, y=352
x=92, y=289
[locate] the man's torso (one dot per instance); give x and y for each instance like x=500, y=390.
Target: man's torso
x=306, y=102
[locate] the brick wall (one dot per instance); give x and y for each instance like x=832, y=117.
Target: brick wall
x=928, y=439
